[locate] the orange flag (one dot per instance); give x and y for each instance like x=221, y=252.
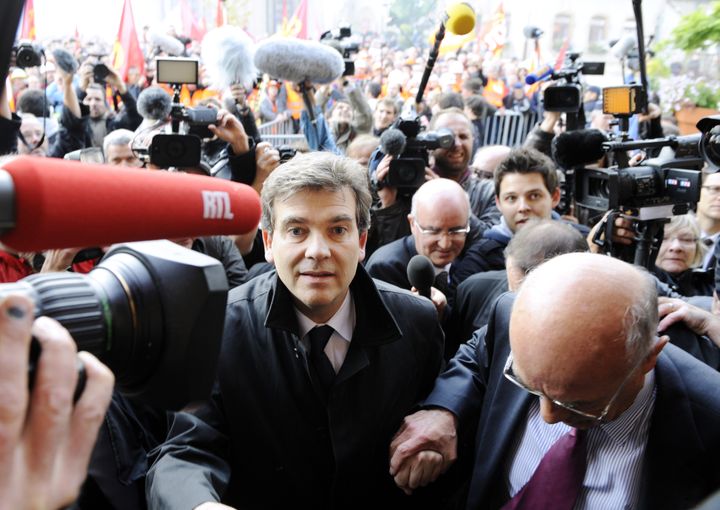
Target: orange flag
x=27, y=30
x=126, y=50
x=296, y=26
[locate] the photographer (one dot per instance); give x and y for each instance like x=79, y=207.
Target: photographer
x=349, y=116
x=46, y=439
x=92, y=94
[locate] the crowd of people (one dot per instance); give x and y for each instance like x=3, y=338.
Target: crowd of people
x=531, y=371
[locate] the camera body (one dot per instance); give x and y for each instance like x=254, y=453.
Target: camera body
x=28, y=54
x=567, y=95
x=407, y=171
x=338, y=40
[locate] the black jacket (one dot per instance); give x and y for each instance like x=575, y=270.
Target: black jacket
x=266, y=440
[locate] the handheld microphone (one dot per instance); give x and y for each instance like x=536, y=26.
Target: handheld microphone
x=297, y=61
x=546, y=72
x=460, y=18
x=50, y=203
x=579, y=147
x=392, y=142
x=227, y=53
x=154, y=103
x=421, y=274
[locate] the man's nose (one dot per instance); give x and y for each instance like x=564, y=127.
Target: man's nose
x=551, y=413
x=523, y=204
x=317, y=247
x=444, y=240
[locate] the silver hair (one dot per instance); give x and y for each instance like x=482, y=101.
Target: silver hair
x=317, y=171
x=688, y=221
x=641, y=319
x=117, y=137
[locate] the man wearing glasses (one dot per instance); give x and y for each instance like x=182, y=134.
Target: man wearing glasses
x=442, y=229
x=572, y=401
x=708, y=215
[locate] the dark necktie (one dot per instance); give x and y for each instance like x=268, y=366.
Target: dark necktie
x=441, y=283
x=319, y=337
x=557, y=481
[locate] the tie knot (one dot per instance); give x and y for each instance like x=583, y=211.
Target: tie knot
x=319, y=337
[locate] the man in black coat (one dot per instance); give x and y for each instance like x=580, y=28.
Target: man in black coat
x=297, y=418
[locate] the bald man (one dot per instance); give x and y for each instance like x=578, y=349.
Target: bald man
x=442, y=229
x=575, y=354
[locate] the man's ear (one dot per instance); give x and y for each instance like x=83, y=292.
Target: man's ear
x=267, y=243
x=556, y=197
x=651, y=358
x=363, y=242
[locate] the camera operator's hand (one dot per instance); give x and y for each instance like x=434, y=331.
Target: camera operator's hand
x=267, y=159
x=229, y=129
x=85, y=73
x=58, y=260
x=115, y=80
x=387, y=194
x=550, y=120
x=700, y=321
x=623, y=232
x=45, y=441
x=239, y=95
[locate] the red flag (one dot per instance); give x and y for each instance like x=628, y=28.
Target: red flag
x=126, y=51
x=27, y=27
x=219, y=14
x=191, y=28
x=296, y=26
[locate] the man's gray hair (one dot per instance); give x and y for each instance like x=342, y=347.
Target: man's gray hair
x=317, y=171
x=117, y=137
x=641, y=319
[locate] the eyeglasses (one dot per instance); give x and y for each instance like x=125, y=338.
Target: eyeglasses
x=452, y=233
x=510, y=375
x=687, y=241
x=712, y=190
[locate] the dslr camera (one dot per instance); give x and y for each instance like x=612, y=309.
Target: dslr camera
x=28, y=54
x=176, y=149
x=339, y=40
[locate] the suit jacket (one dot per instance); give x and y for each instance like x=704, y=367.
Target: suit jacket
x=681, y=460
x=267, y=439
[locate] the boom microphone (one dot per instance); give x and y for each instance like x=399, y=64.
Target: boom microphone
x=65, y=61
x=577, y=148
x=623, y=47
x=546, y=72
x=297, y=60
x=154, y=103
x=392, y=142
x=227, y=53
x=460, y=18
x=421, y=274
x=167, y=44
x=49, y=203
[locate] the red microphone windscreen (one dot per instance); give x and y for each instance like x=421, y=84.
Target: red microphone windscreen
x=66, y=204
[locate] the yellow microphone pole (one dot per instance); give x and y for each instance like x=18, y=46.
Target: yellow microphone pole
x=460, y=19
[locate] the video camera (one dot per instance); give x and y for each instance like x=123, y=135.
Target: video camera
x=132, y=311
x=175, y=149
x=409, y=146
x=27, y=54
x=567, y=94
x=337, y=39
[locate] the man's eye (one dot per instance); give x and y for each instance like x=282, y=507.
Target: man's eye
x=295, y=231
x=338, y=231
x=510, y=199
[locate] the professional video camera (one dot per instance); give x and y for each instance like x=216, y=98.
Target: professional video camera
x=567, y=94
x=27, y=54
x=175, y=149
x=409, y=146
x=133, y=312
x=338, y=40
x=649, y=194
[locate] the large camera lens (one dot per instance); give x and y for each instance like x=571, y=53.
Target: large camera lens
x=26, y=56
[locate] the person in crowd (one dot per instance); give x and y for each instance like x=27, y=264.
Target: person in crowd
x=33, y=101
x=681, y=253
x=274, y=105
x=708, y=216
x=348, y=116
x=386, y=111
x=324, y=359
x=117, y=149
x=532, y=393
x=487, y=159
x=516, y=101
x=361, y=148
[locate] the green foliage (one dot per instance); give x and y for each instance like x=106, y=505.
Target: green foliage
x=698, y=29
x=413, y=20
x=703, y=94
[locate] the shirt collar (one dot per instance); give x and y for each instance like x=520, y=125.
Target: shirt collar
x=633, y=422
x=343, y=322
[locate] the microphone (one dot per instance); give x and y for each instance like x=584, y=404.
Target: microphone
x=545, y=72
x=154, y=103
x=392, y=142
x=227, y=53
x=623, y=47
x=65, y=61
x=459, y=18
x=421, y=273
x=167, y=44
x=298, y=61
x=580, y=147
x=50, y=203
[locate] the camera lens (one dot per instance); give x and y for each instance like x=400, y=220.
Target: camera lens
x=175, y=149
x=406, y=174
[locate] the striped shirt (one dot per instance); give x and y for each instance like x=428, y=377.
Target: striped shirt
x=615, y=452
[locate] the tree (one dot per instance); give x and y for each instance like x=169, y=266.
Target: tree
x=698, y=29
x=413, y=20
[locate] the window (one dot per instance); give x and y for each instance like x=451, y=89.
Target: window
x=597, y=37
x=561, y=30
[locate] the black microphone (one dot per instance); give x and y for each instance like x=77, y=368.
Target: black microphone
x=392, y=142
x=580, y=147
x=421, y=274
